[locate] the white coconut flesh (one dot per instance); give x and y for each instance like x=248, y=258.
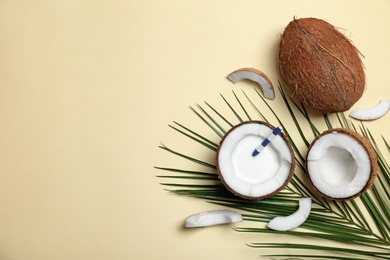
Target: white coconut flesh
x=294, y=220
x=338, y=165
x=371, y=113
x=253, y=176
x=256, y=76
x=212, y=218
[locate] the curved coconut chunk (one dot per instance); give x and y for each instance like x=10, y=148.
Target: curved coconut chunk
x=340, y=165
x=254, y=75
x=254, y=176
x=212, y=218
x=294, y=220
x=372, y=113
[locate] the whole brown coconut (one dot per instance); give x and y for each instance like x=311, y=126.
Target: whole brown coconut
x=320, y=66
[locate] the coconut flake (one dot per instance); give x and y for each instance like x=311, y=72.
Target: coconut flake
x=294, y=220
x=254, y=75
x=372, y=113
x=212, y=218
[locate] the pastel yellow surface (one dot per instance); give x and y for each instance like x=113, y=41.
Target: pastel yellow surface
x=87, y=90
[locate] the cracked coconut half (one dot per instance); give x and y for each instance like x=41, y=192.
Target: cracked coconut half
x=341, y=164
x=254, y=176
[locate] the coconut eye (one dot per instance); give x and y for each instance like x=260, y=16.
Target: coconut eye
x=254, y=177
x=341, y=164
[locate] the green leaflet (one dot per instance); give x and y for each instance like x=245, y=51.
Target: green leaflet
x=363, y=222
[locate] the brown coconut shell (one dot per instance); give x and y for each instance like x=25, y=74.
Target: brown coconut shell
x=293, y=164
x=320, y=66
x=371, y=154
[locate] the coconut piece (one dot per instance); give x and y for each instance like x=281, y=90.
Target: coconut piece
x=254, y=177
x=371, y=113
x=320, y=66
x=341, y=164
x=294, y=220
x=212, y=218
x=254, y=75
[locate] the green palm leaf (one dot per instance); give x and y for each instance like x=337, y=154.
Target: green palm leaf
x=360, y=227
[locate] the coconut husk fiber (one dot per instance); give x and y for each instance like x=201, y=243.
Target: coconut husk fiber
x=320, y=66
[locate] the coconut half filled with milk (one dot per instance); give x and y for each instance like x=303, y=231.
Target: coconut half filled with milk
x=341, y=164
x=249, y=176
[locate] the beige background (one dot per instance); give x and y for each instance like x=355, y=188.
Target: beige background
x=87, y=90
